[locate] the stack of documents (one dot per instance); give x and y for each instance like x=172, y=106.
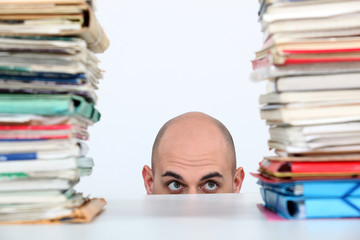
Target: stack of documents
x=311, y=62
x=48, y=77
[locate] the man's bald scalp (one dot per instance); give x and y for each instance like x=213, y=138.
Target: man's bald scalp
x=225, y=132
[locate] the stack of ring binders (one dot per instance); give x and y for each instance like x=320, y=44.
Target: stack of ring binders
x=48, y=77
x=311, y=62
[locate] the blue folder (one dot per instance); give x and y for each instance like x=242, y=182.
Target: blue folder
x=316, y=188
x=299, y=207
x=18, y=156
x=23, y=74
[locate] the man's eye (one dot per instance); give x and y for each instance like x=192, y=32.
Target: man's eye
x=175, y=186
x=210, y=186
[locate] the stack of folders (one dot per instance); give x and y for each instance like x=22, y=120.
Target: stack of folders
x=311, y=62
x=48, y=73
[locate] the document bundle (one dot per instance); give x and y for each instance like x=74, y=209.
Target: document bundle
x=48, y=76
x=311, y=62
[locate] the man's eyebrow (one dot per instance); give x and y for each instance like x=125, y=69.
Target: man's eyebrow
x=211, y=175
x=172, y=174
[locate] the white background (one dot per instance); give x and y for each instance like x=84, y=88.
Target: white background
x=168, y=57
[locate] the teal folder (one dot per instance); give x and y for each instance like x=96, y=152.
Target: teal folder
x=299, y=207
x=48, y=104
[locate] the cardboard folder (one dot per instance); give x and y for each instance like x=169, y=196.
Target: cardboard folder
x=83, y=214
x=50, y=10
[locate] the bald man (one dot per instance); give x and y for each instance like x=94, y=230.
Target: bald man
x=193, y=153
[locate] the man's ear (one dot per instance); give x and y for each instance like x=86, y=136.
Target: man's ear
x=148, y=179
x=238, y=179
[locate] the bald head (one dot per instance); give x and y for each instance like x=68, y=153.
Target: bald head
x=193, y=153
x=197, y=132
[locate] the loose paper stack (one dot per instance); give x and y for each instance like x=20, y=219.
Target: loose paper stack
x=311, y=62
x=48, y=77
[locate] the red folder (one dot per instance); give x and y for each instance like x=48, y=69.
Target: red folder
x=27, y=132
x=260, y=63
x=322, y=51
x=298, y=56
x=289, y=61
x=284, y=169
x=35, y=127
x=334, y=167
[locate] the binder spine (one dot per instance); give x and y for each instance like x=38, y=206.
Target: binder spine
x=300, y=207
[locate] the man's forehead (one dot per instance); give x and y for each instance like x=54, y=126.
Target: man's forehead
x=203, y=177
x=193, y=167
x=167, y=161
x=193, y=172
x=193, y=152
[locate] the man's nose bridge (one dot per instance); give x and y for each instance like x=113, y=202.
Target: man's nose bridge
x=192, y=190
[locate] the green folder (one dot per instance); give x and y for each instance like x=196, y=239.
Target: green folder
x=48, y=104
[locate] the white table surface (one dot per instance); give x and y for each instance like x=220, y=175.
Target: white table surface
x=218, y=216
